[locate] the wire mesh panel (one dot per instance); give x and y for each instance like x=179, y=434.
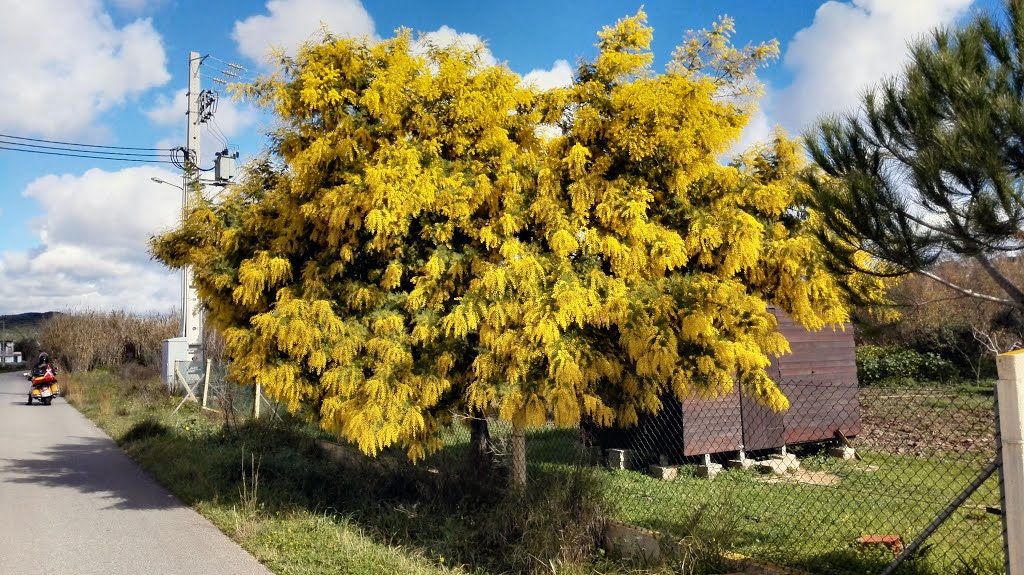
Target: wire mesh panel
x=208, y=385
x=838, y=483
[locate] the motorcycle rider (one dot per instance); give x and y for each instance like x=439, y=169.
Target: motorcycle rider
x=46, y=373
x=41, y=365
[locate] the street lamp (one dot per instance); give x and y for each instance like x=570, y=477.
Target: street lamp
x=191, y=318
x=159, y=181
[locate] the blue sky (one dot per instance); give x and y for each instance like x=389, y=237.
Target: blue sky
x=113, y=73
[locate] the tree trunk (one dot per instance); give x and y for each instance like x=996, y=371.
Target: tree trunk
x=1011, y=289
x=517, y=463
x=480, y=454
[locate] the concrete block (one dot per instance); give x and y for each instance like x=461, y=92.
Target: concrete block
x=774, y=466
x=662, y=472
x=709, y=471
x=843, y=452
x=620, y=459
x=629, y=542
x=788, y=460
x=740, y=463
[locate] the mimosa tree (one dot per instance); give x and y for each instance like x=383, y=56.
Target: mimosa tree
x=430, y=237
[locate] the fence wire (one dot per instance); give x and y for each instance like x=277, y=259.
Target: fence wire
x=209, y=386
x=840, y=483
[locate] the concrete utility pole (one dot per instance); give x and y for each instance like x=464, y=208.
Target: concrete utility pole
x=188, y=347
x=1010, y=395
x=191, y=312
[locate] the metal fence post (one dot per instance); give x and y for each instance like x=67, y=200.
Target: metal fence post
x=206, y=383
x=256, y=403
x=1010, y=390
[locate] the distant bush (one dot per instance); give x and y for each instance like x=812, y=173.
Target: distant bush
x=877, y=363
x=90, y=340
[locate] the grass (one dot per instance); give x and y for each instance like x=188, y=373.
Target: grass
x=898, y=488
x=241, y=482
x=815, y=527
x=271, y=488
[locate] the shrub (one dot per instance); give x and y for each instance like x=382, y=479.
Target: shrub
x=876, y=364
x=89, y=340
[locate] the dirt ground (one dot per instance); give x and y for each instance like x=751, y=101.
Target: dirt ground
x=805, y=477
x=926, y=423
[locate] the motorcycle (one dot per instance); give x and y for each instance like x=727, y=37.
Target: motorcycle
x=44, y=386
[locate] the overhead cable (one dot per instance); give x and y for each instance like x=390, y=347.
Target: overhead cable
x=100, y=152
x=71, y=155
x=10, y=137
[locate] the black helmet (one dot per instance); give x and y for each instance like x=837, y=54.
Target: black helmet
x=44, y=358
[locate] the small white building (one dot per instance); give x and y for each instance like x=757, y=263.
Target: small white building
x=7, y=353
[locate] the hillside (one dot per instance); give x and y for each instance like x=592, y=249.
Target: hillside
x=23, y=325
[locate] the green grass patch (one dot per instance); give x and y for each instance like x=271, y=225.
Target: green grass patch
x=271, y=487
x=815, y=527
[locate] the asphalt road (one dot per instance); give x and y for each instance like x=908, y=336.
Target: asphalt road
x=72, y=503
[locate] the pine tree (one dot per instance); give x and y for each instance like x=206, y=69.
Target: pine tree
x=419, y=245
x=930, y=168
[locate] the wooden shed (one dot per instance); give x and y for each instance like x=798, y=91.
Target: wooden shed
x=819, y=377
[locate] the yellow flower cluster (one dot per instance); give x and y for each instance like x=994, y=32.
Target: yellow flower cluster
x=420, y=246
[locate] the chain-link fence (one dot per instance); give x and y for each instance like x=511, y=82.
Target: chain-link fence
x=207, y=385
x=845, y=481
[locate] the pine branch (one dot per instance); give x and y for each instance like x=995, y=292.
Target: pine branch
x=971, y=293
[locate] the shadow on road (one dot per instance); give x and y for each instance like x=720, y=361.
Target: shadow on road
x=94, y=466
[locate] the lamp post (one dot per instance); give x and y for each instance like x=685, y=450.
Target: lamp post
x=159, y=181
x=191, y=315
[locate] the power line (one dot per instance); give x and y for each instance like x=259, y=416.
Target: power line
x=238, y=67
x=116, y=158
x=153, y=154
x=216, y=80
x=222, y=135
x=8, y=136
x=240, y=73
x=213, y=132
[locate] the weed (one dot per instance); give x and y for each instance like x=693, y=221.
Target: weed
x=106, y=404
x=300, y=510
x=247, y=512
x=146, y=429
x=709, y=531
x=69, y=389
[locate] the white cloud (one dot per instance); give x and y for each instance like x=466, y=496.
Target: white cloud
x=849, y=47
x=559, y=76
x=230, y=121
x=134, y=6
x=444, y=37
x=290, y=23
x=67, y=63
x=758, y=131
x=230, y=117
x=169, y=111
x=92, y=244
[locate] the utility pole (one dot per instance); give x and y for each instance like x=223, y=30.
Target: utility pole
x=191, y=312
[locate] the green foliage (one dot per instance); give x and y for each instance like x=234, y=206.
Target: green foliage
x=148, y=428
x=876, y=364
x=930, y=168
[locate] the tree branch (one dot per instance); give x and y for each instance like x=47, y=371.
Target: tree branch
x=1008, y=286
x=972, y=293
